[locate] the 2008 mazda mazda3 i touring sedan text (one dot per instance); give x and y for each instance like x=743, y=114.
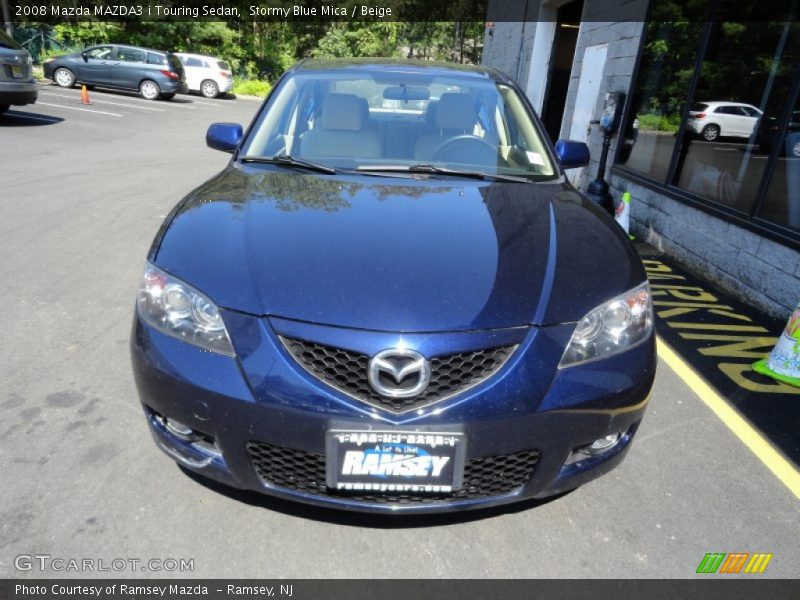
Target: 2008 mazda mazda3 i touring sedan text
x=391, y=299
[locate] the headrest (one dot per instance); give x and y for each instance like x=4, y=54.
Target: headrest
x=456, y=111
x=430, y=113
x=343, y=112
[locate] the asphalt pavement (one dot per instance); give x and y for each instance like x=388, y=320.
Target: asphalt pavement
x=84, y=190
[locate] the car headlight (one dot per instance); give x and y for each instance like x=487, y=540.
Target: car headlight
x=614, y=326
x=177, y=309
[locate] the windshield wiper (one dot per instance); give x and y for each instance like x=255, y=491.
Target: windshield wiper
x=436, y=170
x=289, y=161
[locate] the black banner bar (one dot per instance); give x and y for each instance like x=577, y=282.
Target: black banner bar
x=731, y=587
x=244, y=11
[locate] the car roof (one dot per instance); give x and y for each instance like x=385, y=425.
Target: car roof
x=729, y=103
x=164, y=52
x=400, y=65
x=192, y=55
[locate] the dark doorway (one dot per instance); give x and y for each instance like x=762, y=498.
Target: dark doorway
x=568, y=22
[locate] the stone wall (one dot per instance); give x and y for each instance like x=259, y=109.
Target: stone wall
x=754, y=268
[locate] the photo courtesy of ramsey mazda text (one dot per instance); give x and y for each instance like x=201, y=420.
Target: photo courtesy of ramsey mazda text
x=392, y=300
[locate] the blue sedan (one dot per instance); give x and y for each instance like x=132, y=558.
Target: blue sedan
x=392, y=300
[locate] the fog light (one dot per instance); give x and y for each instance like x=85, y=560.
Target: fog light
x=603, y=444
x=178, y=429
x=596, y=448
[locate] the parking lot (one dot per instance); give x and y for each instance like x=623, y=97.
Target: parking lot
x=84, y=190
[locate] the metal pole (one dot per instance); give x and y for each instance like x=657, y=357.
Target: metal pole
x=598, y=190
x=7, y=17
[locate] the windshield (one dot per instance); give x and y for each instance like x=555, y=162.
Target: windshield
x=369, y=120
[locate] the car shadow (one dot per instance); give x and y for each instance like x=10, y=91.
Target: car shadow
x=358, y=519
x=221, y=96
x=14, y=118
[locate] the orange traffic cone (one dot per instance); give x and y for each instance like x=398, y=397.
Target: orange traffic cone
x=84, y=95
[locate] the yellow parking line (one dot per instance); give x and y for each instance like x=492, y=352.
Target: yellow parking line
x=758, y=445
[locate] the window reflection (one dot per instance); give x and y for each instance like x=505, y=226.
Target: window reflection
x=746, y=72
x=742, y=63
x=668, y=59
x=782, y=202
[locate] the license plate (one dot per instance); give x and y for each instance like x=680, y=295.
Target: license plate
x=424, y=462
x=16, y=72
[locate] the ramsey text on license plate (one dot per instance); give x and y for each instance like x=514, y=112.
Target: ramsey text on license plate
x=390, y=461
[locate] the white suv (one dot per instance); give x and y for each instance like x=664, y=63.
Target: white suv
x=710, y=120
x=206, y=74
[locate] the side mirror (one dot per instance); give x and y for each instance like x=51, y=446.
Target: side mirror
x=85, y=56
x=224, y=136
x=572, y=154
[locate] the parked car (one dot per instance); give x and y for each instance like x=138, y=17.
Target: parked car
x=393, y=311
x=711, y=120
x=153, y=73
x=206, y=74
x=17, y=85
x=768, y=133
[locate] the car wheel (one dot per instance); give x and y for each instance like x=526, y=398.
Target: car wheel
x=710, y=133
x=64, y=77
x=149, y=90
x=209, y=89
x=169, y=96
x=4, y=108
x=795, y=148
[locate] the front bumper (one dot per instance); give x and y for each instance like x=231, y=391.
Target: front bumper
x=264, y=397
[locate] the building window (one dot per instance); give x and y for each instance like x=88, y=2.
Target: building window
x=710, y=100
x=781, y=204
x=669, y=54
x=746, y=73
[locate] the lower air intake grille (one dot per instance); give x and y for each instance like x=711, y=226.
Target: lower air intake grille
x=305, y=472
x=347, y=371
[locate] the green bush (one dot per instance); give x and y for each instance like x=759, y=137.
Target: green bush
x=652, y=122
x=53, y=52
x=251, y=87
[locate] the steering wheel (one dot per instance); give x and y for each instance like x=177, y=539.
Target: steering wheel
x=467, y=149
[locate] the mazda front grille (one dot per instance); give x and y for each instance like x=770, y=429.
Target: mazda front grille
x=346, y=371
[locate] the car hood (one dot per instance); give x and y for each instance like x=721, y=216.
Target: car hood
x=395, y=254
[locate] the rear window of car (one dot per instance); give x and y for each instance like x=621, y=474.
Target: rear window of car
x=699, y=107
x=156, y=59
x=6, y=41
x=223, y=65
x=175, y=63
x=190, y=61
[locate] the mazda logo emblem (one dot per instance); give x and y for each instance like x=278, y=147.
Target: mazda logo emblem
x=399, y=373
